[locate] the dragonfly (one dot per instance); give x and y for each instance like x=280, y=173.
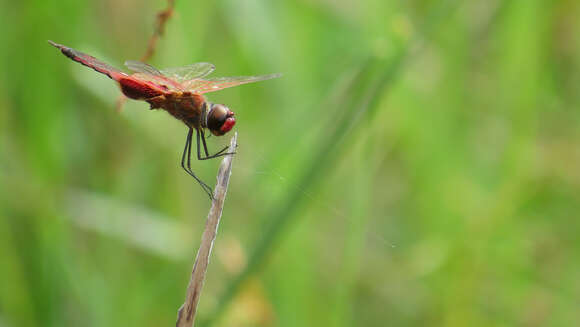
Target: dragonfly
x=179, y=91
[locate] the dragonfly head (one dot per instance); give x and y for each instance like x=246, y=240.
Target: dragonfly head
x=220, y=119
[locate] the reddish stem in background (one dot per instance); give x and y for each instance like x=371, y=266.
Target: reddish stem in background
x=162, y=19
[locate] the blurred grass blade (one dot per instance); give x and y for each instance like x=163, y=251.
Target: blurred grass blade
x=140, y=227
x=361, y=106
x=357, y=109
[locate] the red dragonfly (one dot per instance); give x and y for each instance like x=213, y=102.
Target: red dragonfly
x=178, y=91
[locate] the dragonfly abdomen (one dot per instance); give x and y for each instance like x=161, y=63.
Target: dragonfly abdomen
x=138, y=90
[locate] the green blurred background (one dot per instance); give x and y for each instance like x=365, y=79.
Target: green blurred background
x=417, y=165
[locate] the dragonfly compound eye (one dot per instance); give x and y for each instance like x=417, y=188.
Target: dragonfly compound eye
x=220, y=119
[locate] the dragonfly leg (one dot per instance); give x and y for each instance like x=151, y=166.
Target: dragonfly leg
x=187, y=153
x=203, y=139
x=220, y=153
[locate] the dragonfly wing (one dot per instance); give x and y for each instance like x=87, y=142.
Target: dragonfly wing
x=160, y=80
x=186, y=73
x=141, y=67
x=146, y=72
x=201, y=86
x=170, y=77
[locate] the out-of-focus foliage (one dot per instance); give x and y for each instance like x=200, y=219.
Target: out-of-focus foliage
x=417, y=165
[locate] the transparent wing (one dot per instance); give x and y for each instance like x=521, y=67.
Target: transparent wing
x=141, y=67
x=146, y=72
x=185, y=73
x=170, y=77
x=201, y=86
x=160, y=80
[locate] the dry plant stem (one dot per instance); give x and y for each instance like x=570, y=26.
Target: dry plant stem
x=162, y=18
x=186, y=314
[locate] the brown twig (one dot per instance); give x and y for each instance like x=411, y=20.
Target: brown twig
x=162, y=19
x=186, y=314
